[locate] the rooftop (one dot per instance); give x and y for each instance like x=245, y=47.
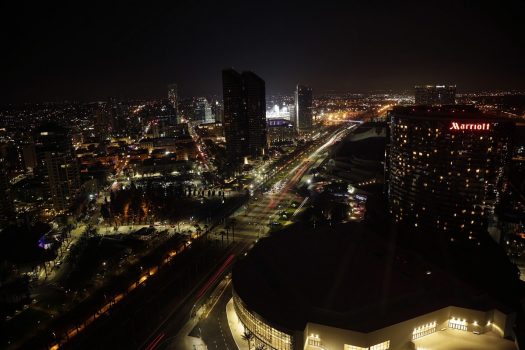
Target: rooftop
x=345, y=276
x=447, y=112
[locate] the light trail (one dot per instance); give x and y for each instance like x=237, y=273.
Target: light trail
x=155, y=342
x=212, y=280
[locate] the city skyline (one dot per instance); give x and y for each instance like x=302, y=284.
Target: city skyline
x=262, y=175
x=131, y=51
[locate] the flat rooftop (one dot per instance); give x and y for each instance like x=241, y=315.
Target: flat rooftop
x=447, y=112
x=344, y=276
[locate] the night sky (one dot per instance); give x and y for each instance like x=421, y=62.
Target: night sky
x=92, y=50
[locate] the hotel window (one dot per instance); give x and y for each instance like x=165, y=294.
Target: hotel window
x=353, y=347
x=382, y=346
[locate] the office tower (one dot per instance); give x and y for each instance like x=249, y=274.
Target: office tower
x=435, y=95
x=101, y=125
x=6, y=200
x=110, y=119
x=445, y=167
x=63, y=178
x=29, y=155
x=202, y=113
x=58, y=164
x=217, y=111
x=280, y=131
x=255, y=109
x=303, y=108
x=244, y=103
x=11, y=152
x=173, y=98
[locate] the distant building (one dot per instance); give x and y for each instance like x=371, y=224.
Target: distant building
x=446, y=168
x=244, y=99
x=431, y=95
x=203, y=113
x=29, y=155
x=173, y=98
x=303, y=108
x=280, y=132
x=57, y=164
x=217, y=111
x=110, y=119
x=6, y=200
x=64, y=179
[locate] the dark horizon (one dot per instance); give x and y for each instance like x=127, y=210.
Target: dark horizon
x=133, y=51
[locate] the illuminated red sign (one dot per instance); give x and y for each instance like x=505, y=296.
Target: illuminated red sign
x=469, y=126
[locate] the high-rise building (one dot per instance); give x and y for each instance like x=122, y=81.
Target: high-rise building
x=280, y=131
x=173, y=98
x=29, y=155
x=217, y=111
x=6, y=200
x=446, y=167
x=254, y=90
x=58, y=164
x=202, y=112
x=303, y=108
x=110, y=119
x=244, y=99
x=435, y=95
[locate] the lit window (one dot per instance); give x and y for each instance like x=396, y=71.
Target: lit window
x=423, y=330
x=382, y=346
x=353, y=347
x=457, y=323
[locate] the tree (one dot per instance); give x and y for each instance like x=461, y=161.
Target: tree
x=227, y=227
x=222, y=233
x=248, y=336
x=260, y=347
x=233, y=222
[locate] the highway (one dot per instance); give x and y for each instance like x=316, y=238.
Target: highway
x=207, y=328
x=154, y=315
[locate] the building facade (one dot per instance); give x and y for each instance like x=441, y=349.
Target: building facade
x=173, y=98
x=6, y=201
x=347, y=287
x=280, y=132
x=399, y=336
x=303, y=108
x=244, y=115
x=203, y=112
x=435, y=95
x=446, y=168
x=57, y=164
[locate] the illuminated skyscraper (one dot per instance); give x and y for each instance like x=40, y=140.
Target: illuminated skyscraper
x=58, y=164
x=446, y=167
x=203, y=112
x=6, y=200
x=244, y=99
x=303, y=108
x=254, y=90
x=435, y=95
x=173, y=98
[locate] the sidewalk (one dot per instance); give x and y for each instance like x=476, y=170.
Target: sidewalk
x=184, y=341
x=236, y=326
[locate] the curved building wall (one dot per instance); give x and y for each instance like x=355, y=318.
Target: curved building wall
x=446, y=175
x=399, y=336
x=272, y=337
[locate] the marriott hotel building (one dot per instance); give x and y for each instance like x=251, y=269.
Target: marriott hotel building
x=446, y=167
